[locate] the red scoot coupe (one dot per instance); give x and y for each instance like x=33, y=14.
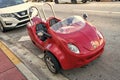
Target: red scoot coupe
x=68, y=43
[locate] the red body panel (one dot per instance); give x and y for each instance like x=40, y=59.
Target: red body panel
x=57, y=44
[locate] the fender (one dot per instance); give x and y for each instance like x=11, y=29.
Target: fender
x=61, y=56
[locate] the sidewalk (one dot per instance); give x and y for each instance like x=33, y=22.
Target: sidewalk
x=8, y=70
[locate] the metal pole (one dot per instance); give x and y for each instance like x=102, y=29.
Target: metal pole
x=37, y=11
x=51, y=6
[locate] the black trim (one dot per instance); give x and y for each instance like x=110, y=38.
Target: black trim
x=20, y=13
x=21, y=23
x=22, y=18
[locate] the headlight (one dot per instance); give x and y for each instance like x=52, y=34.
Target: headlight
x=73, y=48
x=100, y=34
x=6, y=15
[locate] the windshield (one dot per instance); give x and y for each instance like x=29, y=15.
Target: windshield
x=7, y=3
x=68, y=25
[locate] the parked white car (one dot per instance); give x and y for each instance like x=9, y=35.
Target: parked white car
x=13, y=14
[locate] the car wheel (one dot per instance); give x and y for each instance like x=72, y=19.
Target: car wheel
x=2, y=28
x=98, y=0
x=48, y=0
x=84, y=1
x=56, y=1
x=74, y=1
x=52, y=63
x=33, y=42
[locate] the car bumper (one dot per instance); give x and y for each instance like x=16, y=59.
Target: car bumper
x=88, y=58
x=12, y=22
x=84, y=59
x=17, y=19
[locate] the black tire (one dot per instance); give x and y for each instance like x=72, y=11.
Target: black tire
x=33, y=42
x=97, y=0
x=52, y=63
x=48, y=0
x=56, y=1
x=84, y=1
x=74, y=1
x=2, y=28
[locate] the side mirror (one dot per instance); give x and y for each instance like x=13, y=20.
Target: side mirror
x=85, y=16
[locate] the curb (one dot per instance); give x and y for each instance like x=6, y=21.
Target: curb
x=22, y=68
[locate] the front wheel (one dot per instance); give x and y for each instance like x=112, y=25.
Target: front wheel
x=52, y=63
x=74, y=1
x=84, y=1
x=56, y=1
x=47, y=0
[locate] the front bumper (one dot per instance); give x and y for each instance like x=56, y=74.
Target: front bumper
x=12, y=22
x=17, y=20
x=84, y=59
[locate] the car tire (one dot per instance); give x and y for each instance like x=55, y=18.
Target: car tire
x=2, y=28
x=97, y=0
x=56, y=1
x=74, y=1
x=84, y=1
x=48, y=0
x=52, y=63
x=33, y=42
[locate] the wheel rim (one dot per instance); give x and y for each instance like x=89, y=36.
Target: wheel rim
x=50, y=64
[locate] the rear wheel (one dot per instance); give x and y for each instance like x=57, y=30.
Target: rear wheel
x=84, y=1
x=52, y=63
x=98, y=0
x=33, y=42
x=56, y=1
x=48, y=0
x=74, y=1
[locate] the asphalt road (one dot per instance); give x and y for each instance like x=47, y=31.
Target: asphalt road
x=106, y=18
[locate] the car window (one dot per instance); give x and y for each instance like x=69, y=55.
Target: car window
x=7, y=3
x=68, y=25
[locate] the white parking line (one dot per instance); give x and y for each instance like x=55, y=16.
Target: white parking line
x=24, y=38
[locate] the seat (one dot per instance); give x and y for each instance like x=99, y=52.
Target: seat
x=39, y=28
x=52, y=21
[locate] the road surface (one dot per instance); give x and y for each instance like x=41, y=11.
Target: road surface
x=106, y=18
